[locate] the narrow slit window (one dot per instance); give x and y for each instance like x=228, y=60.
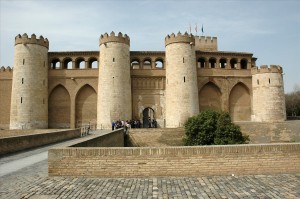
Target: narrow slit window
x=21, y=100
x=184, y=79
x=257, y=82
x=269, y=81
x=44, y=63
x=113, y=59
x=22, y=80
x=43, y=101
x=23, y=61
x=183, y=60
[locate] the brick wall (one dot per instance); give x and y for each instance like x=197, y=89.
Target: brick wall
x=18, y=143
x=175, y=161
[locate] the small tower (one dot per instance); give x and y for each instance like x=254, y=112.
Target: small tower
x=114, y=84
x=181, y=79
x=268, y=94
x=29, y=101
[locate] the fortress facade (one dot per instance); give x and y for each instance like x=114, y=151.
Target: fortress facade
x=70, y=89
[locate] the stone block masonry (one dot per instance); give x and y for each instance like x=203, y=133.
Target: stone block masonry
x=175, y=161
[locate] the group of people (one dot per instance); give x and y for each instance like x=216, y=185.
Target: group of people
x=127, y=124
x=132, y=124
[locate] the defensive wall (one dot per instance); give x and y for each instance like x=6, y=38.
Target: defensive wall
x=106, y=161
x=72, y=88
x=18, y=140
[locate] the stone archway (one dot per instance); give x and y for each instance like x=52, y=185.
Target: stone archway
x=86, y=106
x=210, y=97
x=240, y=103
x=59, y=108
x=148, y=113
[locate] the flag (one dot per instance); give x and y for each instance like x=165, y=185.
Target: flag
x=196, y=28
x=202, y=29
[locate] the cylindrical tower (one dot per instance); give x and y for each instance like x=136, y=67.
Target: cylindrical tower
x=29, y=100
x=268, y=104
x=114, y=84
x=181, y=79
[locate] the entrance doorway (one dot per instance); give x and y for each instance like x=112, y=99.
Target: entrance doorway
x=148, y=115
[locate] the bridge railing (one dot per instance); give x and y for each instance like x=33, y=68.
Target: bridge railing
x=86, y=129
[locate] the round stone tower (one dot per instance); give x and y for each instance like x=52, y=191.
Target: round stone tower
x=181, y=79
x=29, y=98
x=114, y=84
x=268, y=94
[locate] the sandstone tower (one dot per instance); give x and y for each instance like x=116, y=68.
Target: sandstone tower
x=29, y=101
x=181, y=79
x=114, y=84
x=268, y=94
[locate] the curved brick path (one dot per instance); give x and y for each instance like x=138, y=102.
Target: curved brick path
x=33, y=182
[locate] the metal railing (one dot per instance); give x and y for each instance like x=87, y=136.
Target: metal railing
x=86, y=129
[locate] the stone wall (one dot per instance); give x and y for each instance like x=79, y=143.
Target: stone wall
x=264, y=132
x=111, y=139
x=19, y=143
x=5, y=97
x=175, y=161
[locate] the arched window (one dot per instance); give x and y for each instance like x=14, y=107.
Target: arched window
x=80, y=63
x=244, y=64
x=93, y=63
x=233, y=63
x=201, y=62
x=223, y=63
x=212, y=63
x=159, y=63
x=67, y=63
x=55, y=63
x=135, y=64
x=147, y=63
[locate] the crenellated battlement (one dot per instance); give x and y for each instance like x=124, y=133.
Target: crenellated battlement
x=266, y=69
x=5, y=69
x=24, y=39
x=206, y=43
x=114, y=38
x=180, y=38
x=207, y=39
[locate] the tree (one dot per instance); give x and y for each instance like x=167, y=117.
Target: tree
x=212, y=127
x=292, y=102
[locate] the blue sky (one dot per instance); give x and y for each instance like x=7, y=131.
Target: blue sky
x=268, y=29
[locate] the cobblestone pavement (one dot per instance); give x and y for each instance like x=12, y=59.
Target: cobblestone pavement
x=33, y=182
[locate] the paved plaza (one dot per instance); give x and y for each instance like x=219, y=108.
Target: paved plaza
x=32, y=181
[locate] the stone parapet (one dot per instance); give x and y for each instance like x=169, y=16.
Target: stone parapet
x=206, y=43
x=180, y=38
x=120, y=38
x=10, y=144
x=266, y=69
x=5, y=69
x=24, y=39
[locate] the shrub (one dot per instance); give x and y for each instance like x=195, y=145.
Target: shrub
x=212, y=127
